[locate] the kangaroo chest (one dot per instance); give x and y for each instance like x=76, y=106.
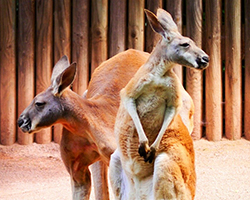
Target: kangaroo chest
x=155, y=96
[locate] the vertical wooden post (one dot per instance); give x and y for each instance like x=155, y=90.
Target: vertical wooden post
x=152, y=38
x=175, y=9
x=99, y=23
x=233, y=98
x=26, y=59
x=44, y=56
x=213, y=72
x=247, y=71
x=194, y=77
x=7, y=72
x=117, y=27
x=80, y=44
x=62, y=41
x=136, y=24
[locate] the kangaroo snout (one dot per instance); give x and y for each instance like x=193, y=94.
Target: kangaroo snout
x=24, y=123
x=205, y=58
x=203, y=62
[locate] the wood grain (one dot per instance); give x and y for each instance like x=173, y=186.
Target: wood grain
x=62, y=42
x=247, y=72
x=194, y=78
x=26, y=61
x=136, y=24
x=7, y=72
x=44, y=55
x=80, y=44
x=117, y=27
x=213, y=91
x=99, y=28
x=233, y=100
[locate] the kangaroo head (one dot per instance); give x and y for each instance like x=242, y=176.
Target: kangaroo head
x=46, y=108
x=175, y=47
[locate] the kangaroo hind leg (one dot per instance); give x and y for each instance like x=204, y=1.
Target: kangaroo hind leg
x=167, y=179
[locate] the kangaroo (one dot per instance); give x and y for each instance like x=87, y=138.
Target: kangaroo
x=148, y=115
x=88, y=137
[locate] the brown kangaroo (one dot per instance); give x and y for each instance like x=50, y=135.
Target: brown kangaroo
x=148, y=115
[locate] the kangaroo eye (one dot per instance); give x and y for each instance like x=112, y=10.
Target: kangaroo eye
x=184, y=44
x=40, y=104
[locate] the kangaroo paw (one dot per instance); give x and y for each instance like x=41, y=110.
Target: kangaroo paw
x=143, y=149
x=150, y=155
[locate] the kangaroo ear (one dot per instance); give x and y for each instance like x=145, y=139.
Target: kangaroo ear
x=59, y=67
x=163, y=23
x=64, y=79
x=166, y=21
x=154, y=23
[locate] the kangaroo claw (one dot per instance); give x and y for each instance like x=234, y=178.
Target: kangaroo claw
x=151, y=155
x=148, y=153
x=143, y=149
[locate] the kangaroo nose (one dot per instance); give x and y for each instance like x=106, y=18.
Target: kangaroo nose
x=20, y=122
x=202, y=62
x=205, y=58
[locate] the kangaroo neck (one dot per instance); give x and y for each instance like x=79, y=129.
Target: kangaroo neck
x=158, y=61
x=83, y=115
x=75, y=112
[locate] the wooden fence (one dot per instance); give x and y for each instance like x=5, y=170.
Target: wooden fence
x=34, y=34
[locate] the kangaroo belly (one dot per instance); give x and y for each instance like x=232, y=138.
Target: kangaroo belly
x=151, y=118
x=151, y=111
x=136, y=167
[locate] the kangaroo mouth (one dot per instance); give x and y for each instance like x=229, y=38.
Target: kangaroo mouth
x=25, y=125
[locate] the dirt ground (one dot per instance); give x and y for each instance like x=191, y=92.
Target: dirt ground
x=36, y=172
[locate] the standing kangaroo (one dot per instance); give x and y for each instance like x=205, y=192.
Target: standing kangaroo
x=149, y=103
x=88, y=136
